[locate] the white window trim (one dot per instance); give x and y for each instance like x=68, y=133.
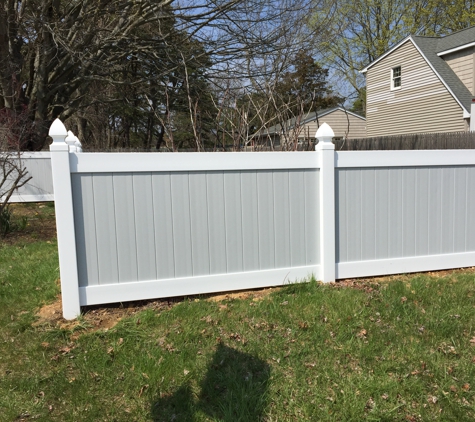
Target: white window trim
x=395, y=88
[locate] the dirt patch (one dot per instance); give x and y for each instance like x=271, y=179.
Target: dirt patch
x=104, y=317
x=32, y=222
x=94, y=318
x=243, y=294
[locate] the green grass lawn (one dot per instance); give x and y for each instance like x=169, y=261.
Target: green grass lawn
x=402, y=349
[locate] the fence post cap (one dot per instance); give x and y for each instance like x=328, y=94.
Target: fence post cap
x=325, y=133
x=58, y=130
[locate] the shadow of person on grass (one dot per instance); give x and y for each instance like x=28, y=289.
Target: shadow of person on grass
x=233, y=389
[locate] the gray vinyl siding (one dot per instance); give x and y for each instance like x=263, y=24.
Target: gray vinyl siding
x=343, y=125
x=422, y=104
x=385, y=213
x=462, y=63
x=133, y=227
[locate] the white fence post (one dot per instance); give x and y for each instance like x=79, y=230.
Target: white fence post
x=326, y=150
x=63, y=204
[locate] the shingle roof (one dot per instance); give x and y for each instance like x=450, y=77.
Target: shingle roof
x=429, y=46
x=457, y=39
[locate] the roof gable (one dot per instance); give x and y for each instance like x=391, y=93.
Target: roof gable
x=310, y=117
x=428, y=47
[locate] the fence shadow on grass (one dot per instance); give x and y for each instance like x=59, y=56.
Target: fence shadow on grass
x=234, y=389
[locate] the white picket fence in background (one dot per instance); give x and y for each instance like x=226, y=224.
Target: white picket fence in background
x=144, y=225
x=40, y=187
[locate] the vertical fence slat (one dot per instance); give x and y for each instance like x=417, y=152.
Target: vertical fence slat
x=409, y=211
x=217, y=218
x=422, y=210
x=163, y=220
x=181, y=225
x=105, y=228
x=233, y=207
x=250, y=233
x=199, y=223
x=297, y=218
x=470, y=238
x=434, y=211
x=125, y=227
x=85, y=229
x=282, y=219
x=447, y=210
x=459, y=209
x=145, y=226
x=368, y=226
x=312, y=217
x=395, y=221
x=265, y=217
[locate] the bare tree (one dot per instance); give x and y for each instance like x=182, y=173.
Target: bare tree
x=13, y=173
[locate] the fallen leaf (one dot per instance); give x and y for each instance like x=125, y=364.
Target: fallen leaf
x=144, y=387
x=369, y=404
x=362, y=333
x=466, y=387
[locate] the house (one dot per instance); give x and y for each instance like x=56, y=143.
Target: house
x=422, y=84
x=345, y=124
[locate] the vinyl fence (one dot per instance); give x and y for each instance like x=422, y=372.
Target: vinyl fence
x=143, y=225
x=40, y=187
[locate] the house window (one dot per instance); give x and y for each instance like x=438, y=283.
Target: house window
x=396, y=77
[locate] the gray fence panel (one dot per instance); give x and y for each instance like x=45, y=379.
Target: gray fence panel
x=146, y=226
x=404, y=212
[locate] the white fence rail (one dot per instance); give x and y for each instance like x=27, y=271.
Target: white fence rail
x=137, y=226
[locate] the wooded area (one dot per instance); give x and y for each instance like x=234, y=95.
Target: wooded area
x=156, y=74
